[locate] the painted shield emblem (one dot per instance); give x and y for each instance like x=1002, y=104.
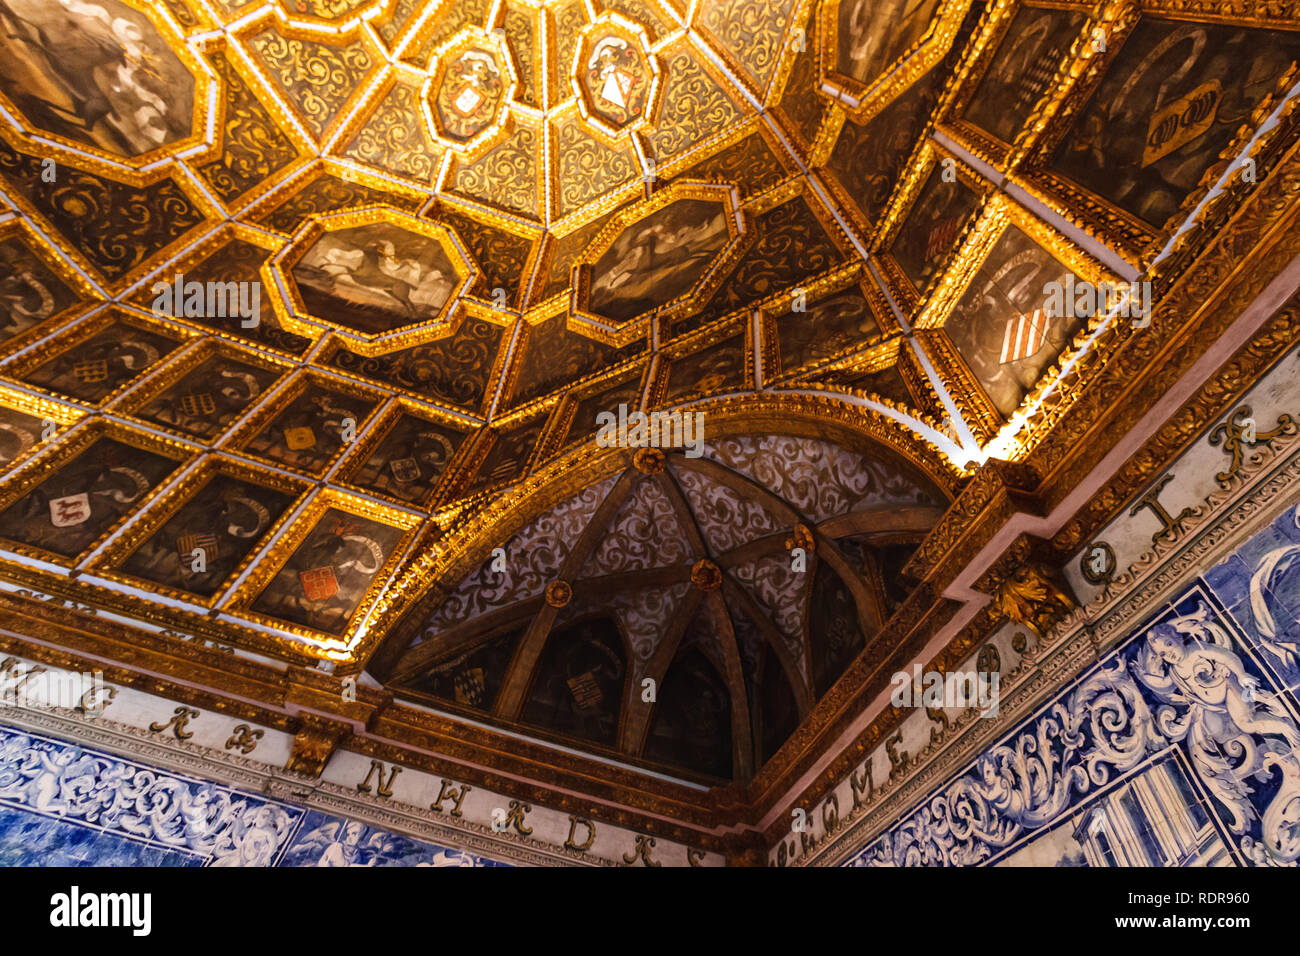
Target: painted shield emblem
x=617, y=80
x=941, y=236
x=405, y=470
x=69, y=511
x=198, y=404
x=299, y=438
x=318, y=584
x=92, y=371
x=470, y=94
x=1182, y=121
x=187, y=544
x=586, y=692
x=469, y=686
x=1024, y=336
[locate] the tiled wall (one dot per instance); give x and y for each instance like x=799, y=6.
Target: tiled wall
x=65, y=805
x=1180, y=747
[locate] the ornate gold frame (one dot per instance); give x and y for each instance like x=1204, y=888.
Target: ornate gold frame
x=495, y=131
x=605, y=22
x=823, y=288
x=81, y=329
x=992, y=32
x=864, y=101
x=697, y=341
x=147, y=521
x=333, y=647
x=172, y=370
x=260, y=79
x=293, y=314
x=619, y=334
x=53, y=259
x=134, y=170
x=1029, y=165
x=378, y=431
x=287, y=389
x=43, y=408
x=55, y=455
x=364, y=11
x=932, y=155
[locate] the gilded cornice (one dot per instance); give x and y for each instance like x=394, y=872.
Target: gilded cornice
x=1217, y=289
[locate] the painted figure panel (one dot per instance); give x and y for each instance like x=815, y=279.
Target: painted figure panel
x=201, y=545
x=83, y=499
x=324, y=580
x=375, y=278
x=657, y=259
x=874, y=33
x=96, y=72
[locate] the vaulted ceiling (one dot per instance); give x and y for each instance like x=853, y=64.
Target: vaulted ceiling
x=444, y=237
x=742, y=581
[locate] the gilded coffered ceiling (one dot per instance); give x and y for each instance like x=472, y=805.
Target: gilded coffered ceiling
x=309, y=307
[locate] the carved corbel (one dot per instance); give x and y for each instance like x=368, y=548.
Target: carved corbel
x=1031, y=596
x=315, y=742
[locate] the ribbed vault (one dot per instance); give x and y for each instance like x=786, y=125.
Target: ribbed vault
x=736, y=586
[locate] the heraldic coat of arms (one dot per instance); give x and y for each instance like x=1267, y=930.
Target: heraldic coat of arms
x=617, y=80
x=470, y=94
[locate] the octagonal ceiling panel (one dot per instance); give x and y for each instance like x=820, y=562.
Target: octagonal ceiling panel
x=657, y=257
x=136, y=91
x=384, y=280
x=871, y=50
x=615, y=76
x=466, y=96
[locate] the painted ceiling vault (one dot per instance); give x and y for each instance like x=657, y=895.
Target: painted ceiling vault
x=691, y=560
x=309, y=308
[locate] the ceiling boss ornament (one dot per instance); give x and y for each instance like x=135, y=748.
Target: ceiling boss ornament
x=466, y=97
x=615, y=76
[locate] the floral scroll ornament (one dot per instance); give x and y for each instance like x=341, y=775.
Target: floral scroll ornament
x=1182, y=684
x=1267, y=575
x=1238, y=434
x=55, y=779
x=1234, y=730
x=1030, y=597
